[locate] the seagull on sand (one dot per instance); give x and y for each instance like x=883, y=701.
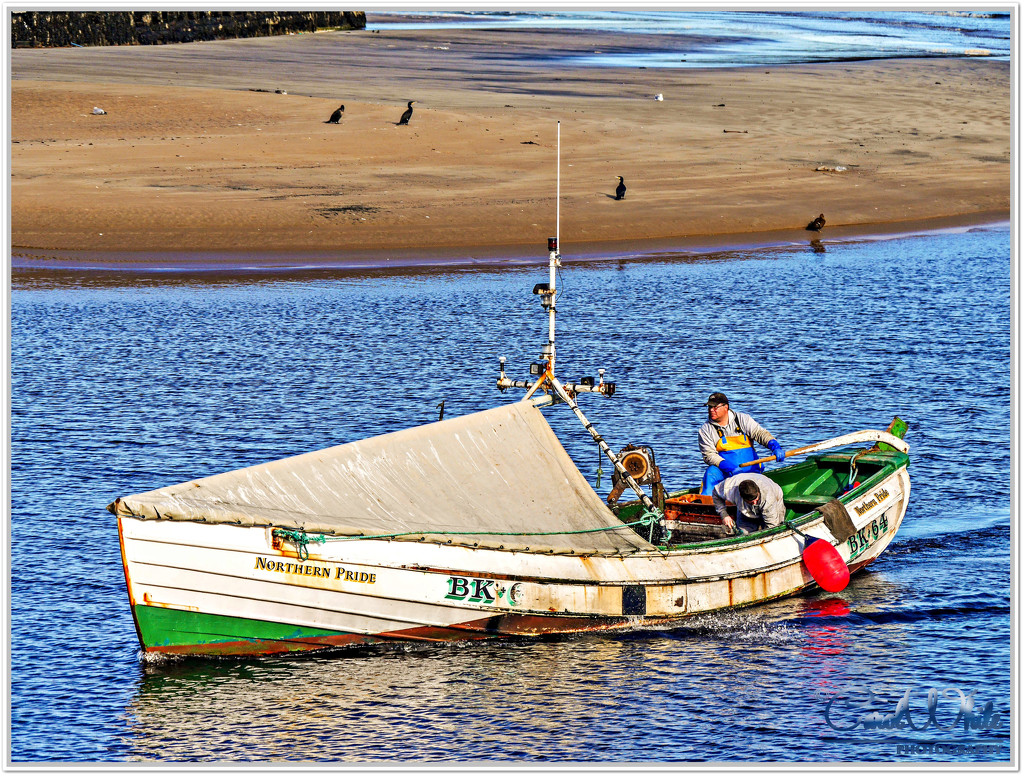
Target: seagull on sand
x=336, y=116
x=406, y=116
x=620, y=190
x=817, y=223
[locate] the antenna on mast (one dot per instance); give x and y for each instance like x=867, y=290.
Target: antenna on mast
x=544, y=370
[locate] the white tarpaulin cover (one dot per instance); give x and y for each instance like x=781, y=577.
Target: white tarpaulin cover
x=502, y=470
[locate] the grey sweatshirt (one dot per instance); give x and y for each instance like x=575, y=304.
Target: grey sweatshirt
x=735, y=423
x=769, y=511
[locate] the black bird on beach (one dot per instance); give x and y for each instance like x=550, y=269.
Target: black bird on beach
x=406, y=116
x=620, y=190
x=817, y=223
x=336, y=116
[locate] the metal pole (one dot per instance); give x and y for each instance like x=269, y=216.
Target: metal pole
x=553, y=257
x=560, y=390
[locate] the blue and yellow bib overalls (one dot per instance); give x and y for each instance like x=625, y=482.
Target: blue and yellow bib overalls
x=733, y=449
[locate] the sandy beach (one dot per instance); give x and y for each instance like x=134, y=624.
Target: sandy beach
x=198, y=152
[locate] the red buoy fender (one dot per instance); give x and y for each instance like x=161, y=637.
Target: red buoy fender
x=826, y=566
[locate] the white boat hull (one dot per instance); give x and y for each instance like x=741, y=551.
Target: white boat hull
x=200, y=588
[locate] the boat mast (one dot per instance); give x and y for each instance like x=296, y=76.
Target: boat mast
x=546, y=381
x=554, y=259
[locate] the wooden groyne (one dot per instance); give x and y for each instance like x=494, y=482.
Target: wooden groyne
x=52, y=29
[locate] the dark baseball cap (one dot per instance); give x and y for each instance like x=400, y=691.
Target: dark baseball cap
x=715, y=399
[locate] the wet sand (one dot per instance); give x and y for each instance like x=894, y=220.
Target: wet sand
x=190, y=160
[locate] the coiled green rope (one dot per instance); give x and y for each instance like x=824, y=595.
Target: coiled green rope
x=649, y=518
x=300, y=539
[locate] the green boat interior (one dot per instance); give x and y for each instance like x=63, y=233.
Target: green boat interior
x=846, y=474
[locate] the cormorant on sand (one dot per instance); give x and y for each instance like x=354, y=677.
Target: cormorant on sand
x=336, y=116
x=620, y=190
x=817, y=223
x=407, y=115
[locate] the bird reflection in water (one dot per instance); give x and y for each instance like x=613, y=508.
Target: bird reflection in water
x=817, y=247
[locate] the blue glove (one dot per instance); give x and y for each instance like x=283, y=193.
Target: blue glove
x=728, y=469
x=776, y=448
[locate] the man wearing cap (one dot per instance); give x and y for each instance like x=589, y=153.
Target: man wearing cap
x=727, y=440
x=758, y=502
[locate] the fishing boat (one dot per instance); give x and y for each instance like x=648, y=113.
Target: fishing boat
x=481, y=526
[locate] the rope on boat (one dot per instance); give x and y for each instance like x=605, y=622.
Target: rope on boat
x=300, y=538
x=853, y=468
x=649, y=517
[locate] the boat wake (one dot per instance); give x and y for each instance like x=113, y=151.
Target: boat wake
x=730, y=625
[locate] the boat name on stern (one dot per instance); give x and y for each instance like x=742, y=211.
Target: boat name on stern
x=312, y=570
x=877, y=498
x=486, y=591
x=867, y=535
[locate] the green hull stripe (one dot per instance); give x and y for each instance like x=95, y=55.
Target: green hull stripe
x=160, y=627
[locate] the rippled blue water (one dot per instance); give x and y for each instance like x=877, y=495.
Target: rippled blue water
x=123, y=383
x=759, y=37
